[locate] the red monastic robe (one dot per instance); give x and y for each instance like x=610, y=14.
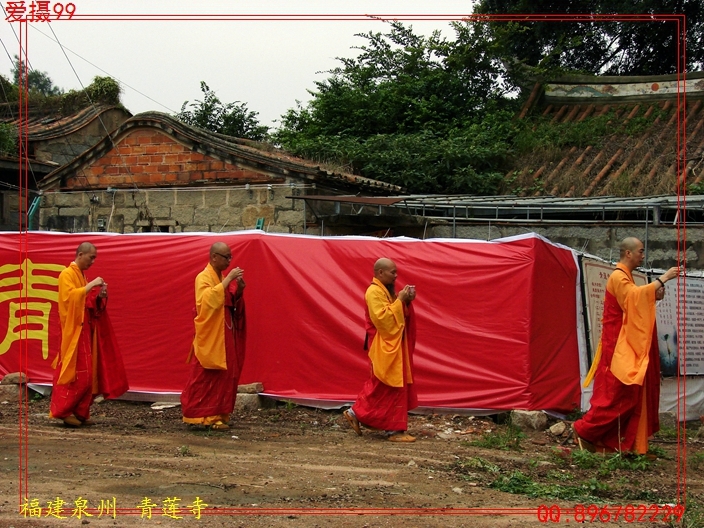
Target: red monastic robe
x=217, y=355
x=89, y=362
x=389, y=393
x=626, y=398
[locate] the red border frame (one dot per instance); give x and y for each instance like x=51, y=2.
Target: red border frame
x=680, y=21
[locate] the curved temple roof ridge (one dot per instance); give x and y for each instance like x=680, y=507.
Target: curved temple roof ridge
x=225, y=148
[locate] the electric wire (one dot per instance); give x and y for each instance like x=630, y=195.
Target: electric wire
x=106, y=72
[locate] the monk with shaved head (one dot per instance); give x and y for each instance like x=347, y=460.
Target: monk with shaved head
x=389, y=393
x=626, y=369
x=89, y=362
x=217, y=352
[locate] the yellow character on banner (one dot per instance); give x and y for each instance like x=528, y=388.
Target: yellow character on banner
x=197, y=506
x=146, y=505
x=108, y=507
x=80, y=509
x=31, y=508
x=55, y=508
x=28, y=317
x=171, y=508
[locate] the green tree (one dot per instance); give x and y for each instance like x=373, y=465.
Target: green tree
x=8, y=90
x=427, y=113
x=405, y=83
x=536, y=49
x=232, y=119
x=8, y=139
x=37, y=81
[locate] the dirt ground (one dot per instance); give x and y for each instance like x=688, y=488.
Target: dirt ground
x=298, y=467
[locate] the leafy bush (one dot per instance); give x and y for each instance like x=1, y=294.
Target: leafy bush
x=104, y=90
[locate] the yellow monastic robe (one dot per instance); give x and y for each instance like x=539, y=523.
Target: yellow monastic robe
x=209, y=342
x=389, y=349
x=72, y=301
x=630, y=359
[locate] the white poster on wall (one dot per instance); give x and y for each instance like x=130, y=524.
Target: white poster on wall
x=690, y=321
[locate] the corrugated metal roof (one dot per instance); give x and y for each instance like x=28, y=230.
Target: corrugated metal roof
x=366, y=200
x=453, y=200
x=511, y=208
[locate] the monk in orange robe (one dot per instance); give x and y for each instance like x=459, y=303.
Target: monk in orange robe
x=89, y=362
x=217, y=353
x=626, y=398
x=389, y=393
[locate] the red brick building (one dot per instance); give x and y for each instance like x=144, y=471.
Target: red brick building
x=155, y=173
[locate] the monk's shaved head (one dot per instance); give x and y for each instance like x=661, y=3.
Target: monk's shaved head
x=220, y=256
x=629, y=244
x=383, y=264
x=219, y=247
x=84, y=247
x=632, y=253
x=86, y=254
x=385, y=272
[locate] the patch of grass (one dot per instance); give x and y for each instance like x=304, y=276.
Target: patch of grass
x=628, y=462
x=697, y=461
x=667, y=433
x=693, y=514
x=607, y=465
x=575, y=415
x=659, y=452
x=562, y=476
x=645, y=497
x=506, y=439
x=517, y=483
x=476, y=463
x=586, y=460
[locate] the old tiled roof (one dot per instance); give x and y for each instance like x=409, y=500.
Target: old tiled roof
x=50, y=125
x=621, y=165
x=227, y=149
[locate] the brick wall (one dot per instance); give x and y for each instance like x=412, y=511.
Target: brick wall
x=148, y=157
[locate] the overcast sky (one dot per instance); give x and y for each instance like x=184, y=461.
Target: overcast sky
x=266, y=64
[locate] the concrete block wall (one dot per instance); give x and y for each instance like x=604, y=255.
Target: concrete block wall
x=599, y=240
x=10, y=210
x=174, y=210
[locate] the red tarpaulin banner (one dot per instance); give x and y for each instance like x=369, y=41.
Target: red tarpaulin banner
x=497, y=321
